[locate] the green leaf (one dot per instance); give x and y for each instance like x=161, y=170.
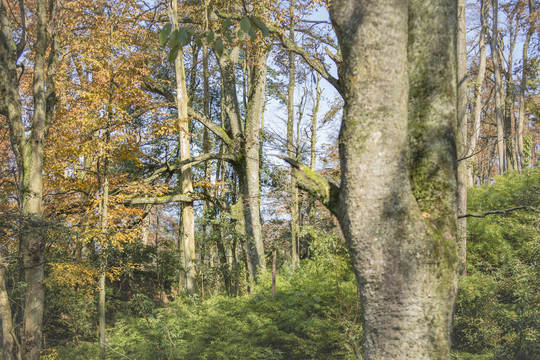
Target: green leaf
x=245, y=24
x=173, y=54
x=198, y=39
x=252, y=34
x=209, y=37
x=262, y=26
x=218, y=46
x=229, y=37
x=183, y=37
x=174, y=39
x=226, y=24
x=164, y=34
x=240, y=35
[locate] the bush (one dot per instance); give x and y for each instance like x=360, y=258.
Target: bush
x=498, y=302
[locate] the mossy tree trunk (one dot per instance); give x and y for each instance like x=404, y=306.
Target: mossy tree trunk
x=246, y=136
x=397, y=203
x=28, y=148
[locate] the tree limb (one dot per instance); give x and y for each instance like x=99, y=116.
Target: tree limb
x=492, y=212
x=213, y=127
x=160, y=199
x=315, y=185
x=311, y=61
x=156, y=105
x=191, y=161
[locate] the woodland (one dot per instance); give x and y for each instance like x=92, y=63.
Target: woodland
x=271, y=179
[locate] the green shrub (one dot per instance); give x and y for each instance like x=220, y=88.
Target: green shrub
x=498, y=302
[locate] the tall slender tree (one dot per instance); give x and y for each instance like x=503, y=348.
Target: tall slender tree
x=187, y=236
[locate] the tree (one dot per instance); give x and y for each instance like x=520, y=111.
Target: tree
x=28, y=148
x=187, y=238
x=397, y=201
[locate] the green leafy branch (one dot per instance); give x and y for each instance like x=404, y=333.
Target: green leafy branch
x=248, y=25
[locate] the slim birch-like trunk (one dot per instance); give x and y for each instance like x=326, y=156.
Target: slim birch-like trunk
x=477, y=112
x=9, y=339
x=187, y=241
x=522, y=88
x=295, y=259
x=498, y=88
x=462, y=135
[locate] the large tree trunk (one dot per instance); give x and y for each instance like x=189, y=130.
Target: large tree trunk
x=187, y=240
x=28, y=150
x=399, y=216
x=252, y=202
x=247, y=138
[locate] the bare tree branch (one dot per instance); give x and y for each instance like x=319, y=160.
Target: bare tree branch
x=310, y=60
x=191, y=161
x=492, y=212
x=213, y=127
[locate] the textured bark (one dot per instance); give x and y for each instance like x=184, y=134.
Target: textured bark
x=246, y=145
x=103, y=259
x=252, y=203
x=28, y=150
x=508, y=116
x=398, y=188
x=498, y=88
x=9, y=350
x=102, y=308
x=522, y=88
x=295, y=259
x=227, y=63
x=188, y=220
x=462, y=136
x=317, y=102
x=478, y=88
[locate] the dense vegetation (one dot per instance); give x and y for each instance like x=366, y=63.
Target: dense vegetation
x=498, y=301
x=316, y=311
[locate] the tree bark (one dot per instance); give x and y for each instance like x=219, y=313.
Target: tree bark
x=188, y=220
x=246, y=144
x=498, y=88
x=398, y=189
x=295, y=259
x=522, y=88
x=9, y=350
x=28, y=150
x=252, y=204
x=103, y=257
x=471, y=147
x=462, y=134
x=317, y=102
